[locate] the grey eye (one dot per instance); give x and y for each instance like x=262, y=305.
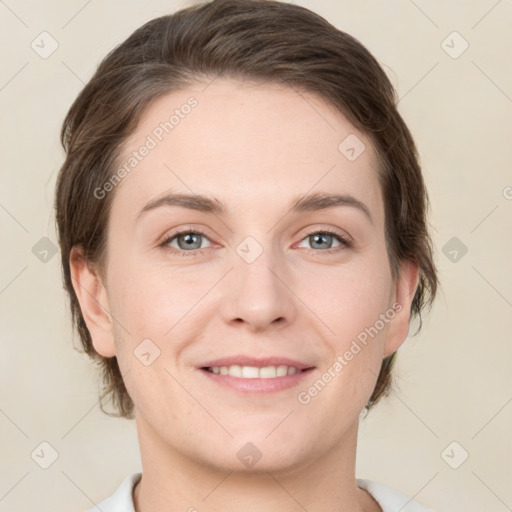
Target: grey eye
x=186, y=240
x=189, y=241
x=319, y=240
x=323, y=240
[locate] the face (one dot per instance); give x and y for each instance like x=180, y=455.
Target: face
x=248, y=276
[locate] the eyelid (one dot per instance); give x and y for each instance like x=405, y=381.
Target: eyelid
x=343, y=235
x=345, y=240
x=166, y=239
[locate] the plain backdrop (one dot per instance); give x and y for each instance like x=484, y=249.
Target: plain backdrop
x=453, y=393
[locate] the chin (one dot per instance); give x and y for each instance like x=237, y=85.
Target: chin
x=263, y=450
x=263, y=462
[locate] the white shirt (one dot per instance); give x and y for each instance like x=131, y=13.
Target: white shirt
x=388, y=499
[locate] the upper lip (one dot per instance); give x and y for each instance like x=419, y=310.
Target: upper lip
x=258, y=362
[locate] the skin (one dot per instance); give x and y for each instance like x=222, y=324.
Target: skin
x=254, y=147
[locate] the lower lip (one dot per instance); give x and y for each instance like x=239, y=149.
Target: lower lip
x=258, y=385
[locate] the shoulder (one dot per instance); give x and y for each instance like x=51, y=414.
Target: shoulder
x=389, y=499
x=121, y=500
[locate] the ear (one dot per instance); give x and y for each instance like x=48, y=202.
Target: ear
x=398, y=327
x=93, y=299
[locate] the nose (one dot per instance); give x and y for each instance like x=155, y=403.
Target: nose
x=259, y=295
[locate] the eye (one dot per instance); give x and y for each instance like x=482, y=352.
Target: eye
x=323, y=240
x=188, y=242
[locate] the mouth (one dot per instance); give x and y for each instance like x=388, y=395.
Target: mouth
x=248, y=375
x=255, y=372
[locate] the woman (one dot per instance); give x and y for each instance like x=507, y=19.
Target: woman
x=242, y=219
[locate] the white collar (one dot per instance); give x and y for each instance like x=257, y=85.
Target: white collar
x=388, y=499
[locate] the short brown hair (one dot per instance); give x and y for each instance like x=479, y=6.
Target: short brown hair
x=259, y=40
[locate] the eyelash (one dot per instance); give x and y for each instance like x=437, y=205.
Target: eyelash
x=346, y=242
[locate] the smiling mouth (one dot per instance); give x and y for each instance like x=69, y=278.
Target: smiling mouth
x=254, y=372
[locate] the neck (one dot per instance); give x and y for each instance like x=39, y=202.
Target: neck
x=174, y=480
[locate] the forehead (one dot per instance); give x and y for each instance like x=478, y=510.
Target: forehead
x=246, y=144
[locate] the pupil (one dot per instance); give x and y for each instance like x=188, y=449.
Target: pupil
x=190, y=239
x=318, y=238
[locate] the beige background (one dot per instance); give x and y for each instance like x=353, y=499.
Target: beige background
x=454, y=380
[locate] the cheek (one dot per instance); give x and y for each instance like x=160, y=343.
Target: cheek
x=150, y=300
x=351, y=302
x=350, y=298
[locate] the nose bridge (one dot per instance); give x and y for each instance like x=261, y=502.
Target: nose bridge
x=257, y=293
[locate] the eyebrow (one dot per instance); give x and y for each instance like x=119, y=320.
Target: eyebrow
x=305, y=203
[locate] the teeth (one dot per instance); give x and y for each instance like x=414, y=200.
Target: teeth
x=253, y=372
x=268, y=372
x=250, y=372
x=282, y=370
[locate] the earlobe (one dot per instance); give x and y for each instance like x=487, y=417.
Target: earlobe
x=93, y=299
x=398, y=327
